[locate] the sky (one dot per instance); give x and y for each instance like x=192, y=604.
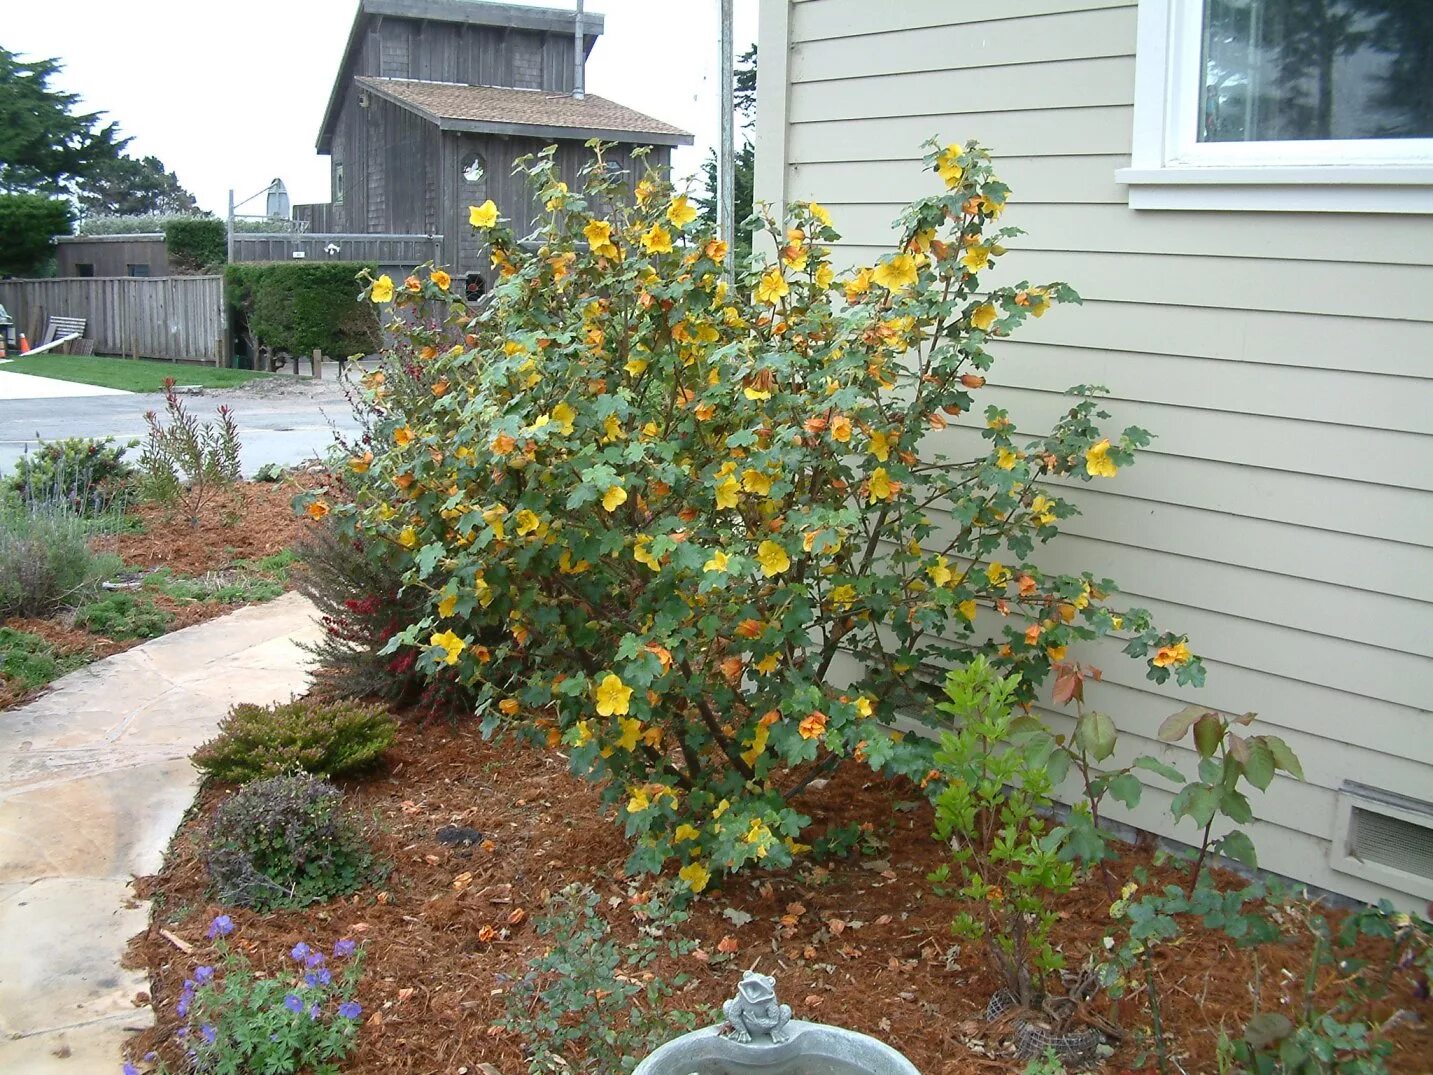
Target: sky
x=231, y=95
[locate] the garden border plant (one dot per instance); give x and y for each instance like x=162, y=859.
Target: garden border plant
x=680, y=501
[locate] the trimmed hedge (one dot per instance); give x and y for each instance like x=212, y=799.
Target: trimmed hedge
x=196, y=243
x=28, y=223
x=301, y=306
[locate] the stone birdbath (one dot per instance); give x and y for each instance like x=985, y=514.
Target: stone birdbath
x=759, y=1037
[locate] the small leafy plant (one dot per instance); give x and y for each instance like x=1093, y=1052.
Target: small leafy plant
x=322, y=739
x=46, y=560
x=588, y=1004
x=994, y=787
x=28, y=661
x=122, y=616
x=302, y=1019
x=286, y=841
x=186, y=461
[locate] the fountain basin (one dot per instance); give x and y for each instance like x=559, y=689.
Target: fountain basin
x=810, y=1049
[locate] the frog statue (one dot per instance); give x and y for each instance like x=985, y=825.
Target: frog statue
x=754, y=1010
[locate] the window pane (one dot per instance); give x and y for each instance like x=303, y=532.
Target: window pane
x=1287, y=70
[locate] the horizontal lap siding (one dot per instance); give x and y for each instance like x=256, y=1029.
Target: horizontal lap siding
x=1282, y=360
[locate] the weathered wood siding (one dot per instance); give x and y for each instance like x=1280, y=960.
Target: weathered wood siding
x=112, y=255
x=475, y=55
x=1282, y=359
x=175, y=317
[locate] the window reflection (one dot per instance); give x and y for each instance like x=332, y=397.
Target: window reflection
x=1290, y=70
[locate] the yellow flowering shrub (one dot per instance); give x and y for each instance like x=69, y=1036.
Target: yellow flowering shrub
x=683, y=505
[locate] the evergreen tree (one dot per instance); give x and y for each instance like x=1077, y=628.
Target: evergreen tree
x=45, y=145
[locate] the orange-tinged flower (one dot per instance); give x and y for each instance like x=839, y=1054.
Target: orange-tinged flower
x=715, y=249
x=841, y=429
x=317, y=509
x=813, y=725
x=1171, y=656
x=359, y=464
x=403, y=436
x=442, y=279
x=503, y=443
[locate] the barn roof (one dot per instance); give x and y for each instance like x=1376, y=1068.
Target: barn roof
x=467, y=12
x=506, y=110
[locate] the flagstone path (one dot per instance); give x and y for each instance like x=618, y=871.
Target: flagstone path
x=94, y=780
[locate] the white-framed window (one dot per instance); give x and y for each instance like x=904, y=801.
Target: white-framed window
x=1283, y=105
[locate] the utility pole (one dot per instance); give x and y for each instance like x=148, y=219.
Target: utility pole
x=726, y=152
x=579, y=88
x=229, y=229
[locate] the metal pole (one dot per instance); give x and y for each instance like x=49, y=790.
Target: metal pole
x=726, y=152
x=579, y=87
x=229, y=228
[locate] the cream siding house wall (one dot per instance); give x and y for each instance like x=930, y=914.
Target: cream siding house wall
x=1284, y=361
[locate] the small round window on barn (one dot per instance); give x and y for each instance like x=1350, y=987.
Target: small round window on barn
x=476, y=170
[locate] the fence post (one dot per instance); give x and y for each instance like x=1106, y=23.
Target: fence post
x=317, y=361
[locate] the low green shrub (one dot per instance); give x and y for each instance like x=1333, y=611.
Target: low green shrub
x=296, y=308
x=301, y=736
x=584, y=1004
x=46, y=560
x=28, y=226
x=286, y=841
x=27, y=661
x=90, y=475
x=196, y=243
x=123, y=616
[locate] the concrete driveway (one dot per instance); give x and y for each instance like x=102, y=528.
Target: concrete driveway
x=284, y=424
x=24, y=386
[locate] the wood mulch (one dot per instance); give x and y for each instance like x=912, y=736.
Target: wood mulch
x=248, y=522
x=862, y=943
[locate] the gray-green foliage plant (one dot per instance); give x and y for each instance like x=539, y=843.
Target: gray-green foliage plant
x=46, y=561
x=586, y=1004
x=300, y=736
x=90, y=475
x=994, y=789
x=286, y=841
x=185, y=460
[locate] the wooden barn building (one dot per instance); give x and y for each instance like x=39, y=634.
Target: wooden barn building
x=435, y=99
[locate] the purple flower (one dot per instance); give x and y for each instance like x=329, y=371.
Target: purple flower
x=203, y=974
x=313, y=1011
x=350, y=1009
x=130, y=1069
x=221, y=927
x=293, y=1003
x=314, y=959
x=316, y=978
x=344, y=948
x=182, y=1008
x=300, y=951
x=209, y=1033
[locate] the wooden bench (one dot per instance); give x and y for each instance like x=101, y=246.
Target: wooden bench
x=60, y=327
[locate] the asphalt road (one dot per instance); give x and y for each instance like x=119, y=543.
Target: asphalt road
x=274, y=428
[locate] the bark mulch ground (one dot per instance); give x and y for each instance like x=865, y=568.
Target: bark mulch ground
x=861, y=943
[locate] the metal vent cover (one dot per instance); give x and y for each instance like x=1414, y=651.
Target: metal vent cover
x=1384, y=837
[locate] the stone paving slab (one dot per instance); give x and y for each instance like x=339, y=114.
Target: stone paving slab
x=94, y=780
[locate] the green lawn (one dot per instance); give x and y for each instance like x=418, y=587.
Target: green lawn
x=129, y=374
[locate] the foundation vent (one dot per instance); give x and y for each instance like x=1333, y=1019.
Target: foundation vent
x=1384, y=837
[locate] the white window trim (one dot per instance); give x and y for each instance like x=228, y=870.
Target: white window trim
x=1171, y=169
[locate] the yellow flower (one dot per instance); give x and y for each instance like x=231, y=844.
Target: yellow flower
x=403, y=436
x=614, y=498
x=881, y=487
x=1005, y=459
x=631, y=731
x=408, y=537
x=858, y=285
x=442, y=279
x=718, y=562
x=681, y=212
x=841, y=429
x=772, y=557
x=636, y=366
x=483, y=216
x=639, y=801
x=562, y=416
x=657, y=240
x=559, y=198
x=947, y=168
x=976, y=258
x=1042, y=510
x=768, y=664
x=642, y=554
x=940, y=572
x=447, y=604
x=695, y=875
x=753, y=481
x=1176, y=654
x=843, y=595
x=599, y=238
x=451, y=645
x=897, y=274
x=967, y=609
x=758, y=744
x=997, y=573
x=726, y=492
x=824, y=275
x=772, y=287
x=818, y=211
x=382, y=290
x=880, y=446
x=645, y=189
x=527, y=521
x=686, y=832
x=1098, y=463
x=613, y=696
x=983, y=316
x=494, y=518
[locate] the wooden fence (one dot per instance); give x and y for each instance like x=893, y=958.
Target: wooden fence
x=389, y=252
x=173, y=317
